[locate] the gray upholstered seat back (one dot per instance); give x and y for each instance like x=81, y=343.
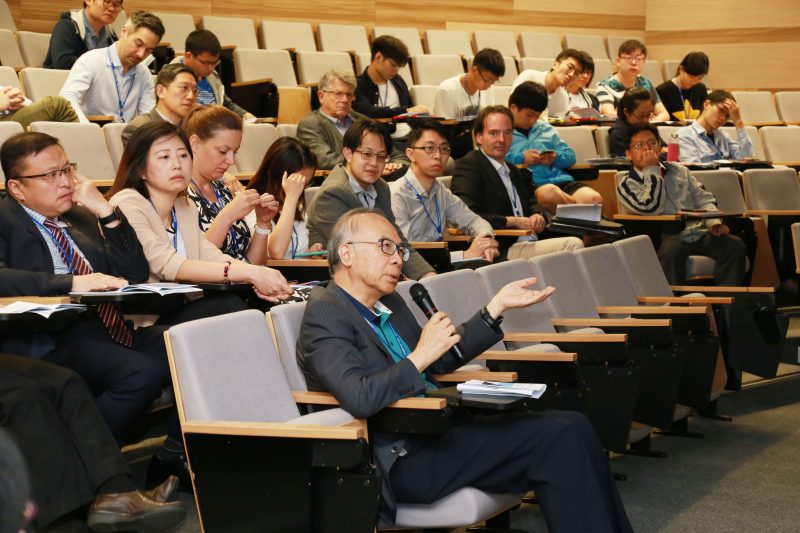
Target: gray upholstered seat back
x=645, y=272
x=227, y=368
x=771, y=188
x=286, y=322
x=572, y=298
x=724, y=185
x=605, y=275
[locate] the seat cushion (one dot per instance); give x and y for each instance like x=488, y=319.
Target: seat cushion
x=461, y=508
x=699, y=266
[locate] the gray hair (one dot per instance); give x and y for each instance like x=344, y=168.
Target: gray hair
x=342, y=232
x=345, y=76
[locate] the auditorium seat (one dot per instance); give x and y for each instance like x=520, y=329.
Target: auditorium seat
x=601, y=140
x=113, y=135
x=287, y=35
x=757, y=107
x=499, y=94
x=796, y=241
x=343, y=38
x=594, y=45
x=432, y=69
x=309, y=194
x=8, y=77
x=724, y=185
x=363, y=61
x=653, y=72
x=409, y=36
x=536, y=44
x=7, y=129
x=84, y=144
x=603, y=69
x=755, y=139
x=502, y=41
x=665, y=132
x=252, y=64
x=41, y=82
x=177, y=27
x=119, y=22
x=312, y=65
x=33, y=47
x=10, y=55
x=581, y=140
x=788, y=104
x=510, y=74
x=781, y=144
x=449, y=42
x=239, y=32
x=771, y=189
x=613, y=42
x=287, y=130
x=6, y=20
x=256, y=140
x=424, y=95
x=542, y=64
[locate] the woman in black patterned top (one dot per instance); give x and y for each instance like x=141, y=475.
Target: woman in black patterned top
x=236, y=222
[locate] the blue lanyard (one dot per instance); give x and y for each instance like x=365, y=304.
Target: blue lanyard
x=295, y=242
x=173, y=226
x=216, y=207
x=68, y=253
x=120, y=101
x=379, y=333
x=513, y=195
x=713, y=145
x=436, y=223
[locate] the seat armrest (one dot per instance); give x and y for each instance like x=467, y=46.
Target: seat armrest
x=648, y=218
x=251, y=82
x=432, y=245
x=611, y=322
x=511, y=233
x=688, y=300
x=47, y=300
x=535, y=357
x=346, y=431
x=326, y=398
x=649, y=310
x=775, y=212
x=305, y=263
x=715, y=288
x=460, y=377
x=565, y=337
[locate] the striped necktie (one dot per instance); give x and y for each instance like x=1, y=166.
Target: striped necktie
x=109, y=314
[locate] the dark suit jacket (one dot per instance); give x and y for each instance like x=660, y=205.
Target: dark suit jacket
x=336, y=197
x=26, y=267
x=368, y=97
x=340, y=353
x=137, y=123
x=479, y=185
x=318, y=132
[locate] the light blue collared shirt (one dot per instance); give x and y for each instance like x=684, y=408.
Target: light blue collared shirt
x=59, y=266
x=696, y=145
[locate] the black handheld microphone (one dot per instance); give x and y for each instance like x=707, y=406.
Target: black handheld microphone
x=423, y=300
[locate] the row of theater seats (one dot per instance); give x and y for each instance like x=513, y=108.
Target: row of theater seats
x=97, y=151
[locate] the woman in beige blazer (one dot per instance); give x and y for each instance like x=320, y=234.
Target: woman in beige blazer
x=150, y=188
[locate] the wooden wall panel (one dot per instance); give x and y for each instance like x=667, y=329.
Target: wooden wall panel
x=721, y=14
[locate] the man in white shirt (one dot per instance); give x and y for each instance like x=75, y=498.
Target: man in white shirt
x=567, y=66
x=423, y=207
x=115, y=81
x=464, y=95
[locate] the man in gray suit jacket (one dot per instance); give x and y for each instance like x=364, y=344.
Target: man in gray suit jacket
x=358, y=184
x=360, y=341
x=322, y=130
x=176, y=95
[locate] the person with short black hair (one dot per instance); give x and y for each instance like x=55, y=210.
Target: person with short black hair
x=381, y=92
x=567, y=66
x=466, y=94
x=424, y=208
x=630, y=63
x=202, y=52
x=80, y=30
x=114, y=80
x=684, y=94
x=176, y=93
x=702, y=141
x=655, y=188
x=537, y=145
x=358, y=183
x=579, y=97
x=635, y=107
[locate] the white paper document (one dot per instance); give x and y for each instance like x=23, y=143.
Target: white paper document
x=497, y=388
x=142, y=288
x=44, y=310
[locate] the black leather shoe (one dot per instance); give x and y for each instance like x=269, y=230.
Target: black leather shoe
x=160, y=469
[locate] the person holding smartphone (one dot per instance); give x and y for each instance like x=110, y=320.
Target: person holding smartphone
x=536, y=144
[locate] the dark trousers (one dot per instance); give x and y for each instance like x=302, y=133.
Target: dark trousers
x=728, y=251
x=68, y=448
x=555, y=453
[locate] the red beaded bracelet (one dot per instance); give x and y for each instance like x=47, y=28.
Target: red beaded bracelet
x=225, y=270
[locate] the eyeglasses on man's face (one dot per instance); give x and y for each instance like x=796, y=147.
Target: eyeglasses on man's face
x=388, y=247
x=650, y=143
x=339, y=95
x=50, y=177
x=185, y=89
x=368, y=156
x=431, y=149
x=633, y=60
x=116, y=4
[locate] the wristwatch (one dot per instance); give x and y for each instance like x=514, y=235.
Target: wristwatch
x=115, y=215
x=493, y=323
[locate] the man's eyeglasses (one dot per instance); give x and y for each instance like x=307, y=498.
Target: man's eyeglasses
x=633, y=59
x=50, y=177
x=185, y=89
x=388, y=246
x=430, y=149
x=372, y=156
x=210, y=62
x=492, y=78
x=339, y=95
x=116, y=4
x=641, y=145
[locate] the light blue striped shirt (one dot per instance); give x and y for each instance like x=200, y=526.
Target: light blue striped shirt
x=59, y=266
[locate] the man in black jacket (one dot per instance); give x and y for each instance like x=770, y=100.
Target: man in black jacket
x=78, y=31
x=501, y=193
x=382, y=92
